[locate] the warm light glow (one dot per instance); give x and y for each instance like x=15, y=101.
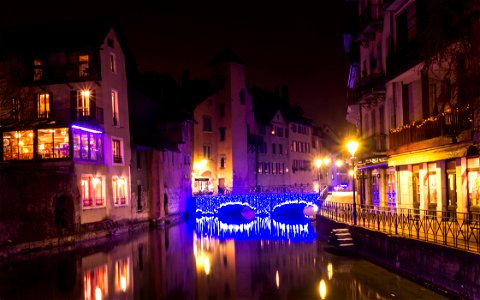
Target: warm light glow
x=339, y=163
x=327, y=161
x=277, y=279
x=330, y=270
x=318, y=163
x=316, y=187
x=85, y=93
x=352, y=147
x=95, y=181
x=123, y=283
x=121, y=181
x=20, y=143
x=98, y=293
x=41, y=147
x=200, y=165
x=322, y=289
x=206, y=265
x=350, y=173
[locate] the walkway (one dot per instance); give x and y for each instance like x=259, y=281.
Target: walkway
x=460, y=231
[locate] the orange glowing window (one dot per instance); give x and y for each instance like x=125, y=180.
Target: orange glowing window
x=95, y=283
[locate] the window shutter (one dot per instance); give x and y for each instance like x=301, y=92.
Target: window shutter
x=93, y=105
x=73, y=104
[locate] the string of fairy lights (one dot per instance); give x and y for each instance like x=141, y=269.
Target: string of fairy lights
x=260, y=203
x=420, y=123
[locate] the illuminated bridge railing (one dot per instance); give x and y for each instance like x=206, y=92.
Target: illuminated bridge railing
x=260, y=203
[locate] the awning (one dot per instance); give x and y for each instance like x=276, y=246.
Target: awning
x=440, y=153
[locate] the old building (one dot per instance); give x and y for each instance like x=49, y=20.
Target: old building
x=65, y=128
x=413, y=82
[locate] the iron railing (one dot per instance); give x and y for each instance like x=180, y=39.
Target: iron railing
x=457, y=230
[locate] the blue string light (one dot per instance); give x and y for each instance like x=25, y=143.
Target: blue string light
x=262, y=204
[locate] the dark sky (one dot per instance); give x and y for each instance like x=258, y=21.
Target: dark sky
x=297, y=44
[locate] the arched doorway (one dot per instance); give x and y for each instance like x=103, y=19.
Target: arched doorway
x=64, y=213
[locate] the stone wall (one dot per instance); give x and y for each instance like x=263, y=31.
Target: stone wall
x=454, y=271
x=37, y=203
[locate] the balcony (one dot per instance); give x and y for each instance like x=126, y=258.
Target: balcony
x=94, y=115
x=446, y=124
x=405, y=57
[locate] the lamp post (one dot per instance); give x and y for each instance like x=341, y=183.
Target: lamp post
x=352, y=147
x=318, y=164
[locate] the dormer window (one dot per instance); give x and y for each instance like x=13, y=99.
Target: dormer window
x=83, y=66
x=112, y=64
x=37, y=69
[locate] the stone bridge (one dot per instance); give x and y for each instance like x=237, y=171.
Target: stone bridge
x=260, y=203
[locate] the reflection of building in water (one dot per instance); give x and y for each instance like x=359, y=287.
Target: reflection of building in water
x=107, y=275
x=216, y=268
x=258, y=228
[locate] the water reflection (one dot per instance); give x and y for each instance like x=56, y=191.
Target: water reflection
x=211, y=259
x=260, y=228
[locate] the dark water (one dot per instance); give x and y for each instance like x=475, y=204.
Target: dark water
x=210, y=258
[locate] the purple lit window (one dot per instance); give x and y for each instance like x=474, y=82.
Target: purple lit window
x=87, y=145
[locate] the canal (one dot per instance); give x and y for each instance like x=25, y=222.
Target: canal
x=208, y=258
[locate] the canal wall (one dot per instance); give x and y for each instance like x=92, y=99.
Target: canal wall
x=442, y=268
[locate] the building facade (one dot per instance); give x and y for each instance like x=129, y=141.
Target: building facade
x=405, y=91
x=73, y=120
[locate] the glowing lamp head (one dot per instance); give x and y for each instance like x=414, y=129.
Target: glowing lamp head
x=339, y=163
x=352, y=147
x=318, y=163
x=326, y=161
x=85, y=93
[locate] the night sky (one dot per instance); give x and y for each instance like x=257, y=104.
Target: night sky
x=297, y=44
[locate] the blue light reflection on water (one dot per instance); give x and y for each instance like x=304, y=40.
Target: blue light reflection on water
x=260, y=228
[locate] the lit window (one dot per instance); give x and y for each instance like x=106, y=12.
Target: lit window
x=115, y=115
x=18, y=145
x=222, y=162
x=53, y=143
x=83, y=103
x=92, y=191
x=87, y=145
x=206, y=151
x=43, y=106
x=37, y=69
x=95, y=283
x=117, y=151
x=112, y=65
x=83, y=65
x=119, y=188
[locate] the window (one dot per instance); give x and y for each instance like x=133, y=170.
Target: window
x=432, y=183
x=473, y=182
x=53, y=143
x=391, y=190
x=207, y=123
x=206, y=151
x=119, y=190
x=37, y=69
x=112, y=65
x=110, y=43
x=83, y=66
x=43, y=106
x=221, y=108
x=87, y=144
x=92, y=191
x=286, y=133
x=222, y=134
x=279, y=131
x=117, y=151
x=18, y=145
x=273, y=149
x=280, y=149
x=95, y=282
x=115, y=115
x=222, y=162
x=416, y=185
x=83, y=103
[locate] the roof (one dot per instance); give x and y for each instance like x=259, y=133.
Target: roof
x=226, y=56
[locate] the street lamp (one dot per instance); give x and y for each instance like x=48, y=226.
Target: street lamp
x=352, y=147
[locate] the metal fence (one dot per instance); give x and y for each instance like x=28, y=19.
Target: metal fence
x=460, y=230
